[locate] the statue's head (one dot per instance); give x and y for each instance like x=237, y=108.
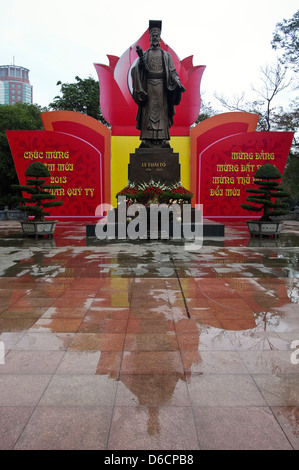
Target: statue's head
x=155, y=32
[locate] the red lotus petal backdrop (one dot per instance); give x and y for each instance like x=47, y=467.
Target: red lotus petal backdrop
x=117, y=104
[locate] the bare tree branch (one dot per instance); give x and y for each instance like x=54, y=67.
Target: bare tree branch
x=274, y=80
x=236, y=103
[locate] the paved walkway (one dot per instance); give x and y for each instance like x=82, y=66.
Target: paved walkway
x=147, y=345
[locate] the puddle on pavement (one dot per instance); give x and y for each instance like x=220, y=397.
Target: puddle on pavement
x=123, y=303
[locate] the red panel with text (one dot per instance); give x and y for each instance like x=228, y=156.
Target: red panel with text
x=227, y=167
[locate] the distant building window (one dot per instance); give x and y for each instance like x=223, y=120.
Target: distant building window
x=13, y=77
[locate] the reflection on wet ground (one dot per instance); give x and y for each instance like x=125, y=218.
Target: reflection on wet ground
x=146, y=345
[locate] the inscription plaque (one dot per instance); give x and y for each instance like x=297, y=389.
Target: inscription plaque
x=159, y=164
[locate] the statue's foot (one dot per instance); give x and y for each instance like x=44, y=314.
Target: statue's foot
x=165, y=144
x=154, y=144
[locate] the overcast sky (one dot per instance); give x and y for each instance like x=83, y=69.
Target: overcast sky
x=59, y=39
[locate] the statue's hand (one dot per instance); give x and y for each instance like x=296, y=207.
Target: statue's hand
x=182, y=88
x=142, y=95
x=139, y=52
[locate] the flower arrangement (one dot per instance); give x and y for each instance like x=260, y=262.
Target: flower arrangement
x=179, y=192
x=130, y=192
x=155, y=192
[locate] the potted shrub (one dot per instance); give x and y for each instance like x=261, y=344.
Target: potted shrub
x=267, y=197
x=36, y=204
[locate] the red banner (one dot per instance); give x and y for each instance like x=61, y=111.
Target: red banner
x=79, y=163
x=225, y=154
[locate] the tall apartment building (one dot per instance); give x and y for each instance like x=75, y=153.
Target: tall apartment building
x=14, y=85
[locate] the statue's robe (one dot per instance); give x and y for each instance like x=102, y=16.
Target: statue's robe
x=156, y=91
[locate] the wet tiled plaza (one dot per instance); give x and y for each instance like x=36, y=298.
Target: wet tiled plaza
x=128, y=345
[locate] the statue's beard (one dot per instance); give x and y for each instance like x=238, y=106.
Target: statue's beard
x=155, y=44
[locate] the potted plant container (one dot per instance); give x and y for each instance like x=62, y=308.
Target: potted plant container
x=36, y=203
x=267, y=196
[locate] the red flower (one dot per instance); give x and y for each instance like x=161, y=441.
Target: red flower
x=181, y=191
x=128, y=191
x=152, y=191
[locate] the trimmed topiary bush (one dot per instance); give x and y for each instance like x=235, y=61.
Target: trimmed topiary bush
x=267, y=196
x=36, y=204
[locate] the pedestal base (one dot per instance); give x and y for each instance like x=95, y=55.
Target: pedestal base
x=209, y=229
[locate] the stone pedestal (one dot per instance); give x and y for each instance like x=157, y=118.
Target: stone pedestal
x=157, y=164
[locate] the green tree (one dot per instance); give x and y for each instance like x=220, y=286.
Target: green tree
x=288, y=120
x=286, y=38
x=83, y=96
x=18, y=117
